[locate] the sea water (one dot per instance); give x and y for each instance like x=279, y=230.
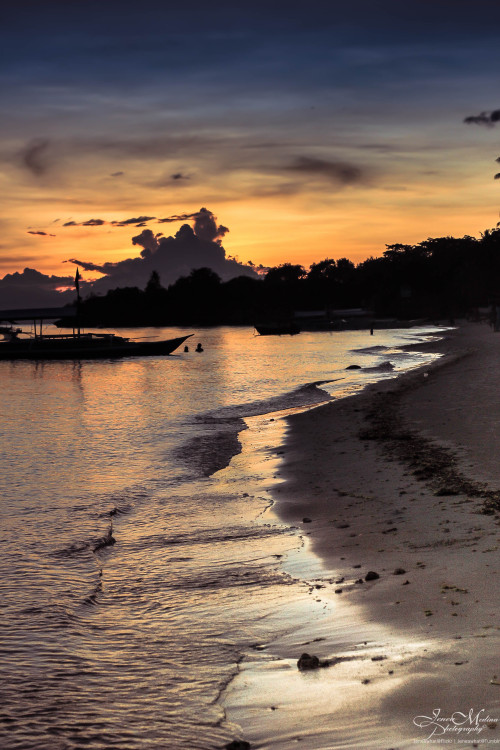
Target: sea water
x=136, y=570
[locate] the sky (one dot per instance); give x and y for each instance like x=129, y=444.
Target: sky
x=136, y=135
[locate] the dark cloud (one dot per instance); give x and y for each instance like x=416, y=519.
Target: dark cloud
x=35, y=289
x=43, y=234
x=205, y=224
x=489, y=119
x=35, y=156
x=41, y=155
x=205, y=227
x=337, y=171
x=497, y=176
x=138, y=220
x=30, y=276
x=88, y=223
x=105, y=268
x=179, y=176
x=93, y=223
x=148, y=241
x=191, y=247
x=176, y=217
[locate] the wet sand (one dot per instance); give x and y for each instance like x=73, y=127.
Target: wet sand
x=402, y=481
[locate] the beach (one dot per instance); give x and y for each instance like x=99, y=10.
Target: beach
x=396, y=492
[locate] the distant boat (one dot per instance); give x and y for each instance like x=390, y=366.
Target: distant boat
x=277, y=329
x=82, y=346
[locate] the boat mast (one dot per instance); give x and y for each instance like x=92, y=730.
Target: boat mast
x=78, y=299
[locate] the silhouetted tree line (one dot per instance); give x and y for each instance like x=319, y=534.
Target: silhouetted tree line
x=438, y=278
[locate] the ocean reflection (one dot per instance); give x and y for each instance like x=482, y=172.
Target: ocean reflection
x=131, y=579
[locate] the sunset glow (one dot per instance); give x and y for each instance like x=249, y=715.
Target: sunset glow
x=326, y=135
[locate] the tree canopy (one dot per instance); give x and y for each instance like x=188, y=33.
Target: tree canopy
x=438, y=278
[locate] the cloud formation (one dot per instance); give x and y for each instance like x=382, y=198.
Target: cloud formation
x=339, y=172
x=205, y=227
x=196, y=246
x=32, y=288
x=138, y=220
x=489, y=119
x=35, y=157
x=88, y=223
x=205, y=224
x=41, y=155
x=43, y=234
x=191, y=247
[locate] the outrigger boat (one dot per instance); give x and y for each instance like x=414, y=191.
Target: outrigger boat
x=83, y=346
x=17, y=344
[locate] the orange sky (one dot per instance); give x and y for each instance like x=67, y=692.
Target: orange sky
x=302, y=228
x=329, y=133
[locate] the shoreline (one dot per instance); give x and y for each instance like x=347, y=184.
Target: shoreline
x=390, y=486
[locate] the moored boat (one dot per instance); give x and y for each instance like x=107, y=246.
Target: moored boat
x=18, y=344
x=277, y=329
x=83, y=346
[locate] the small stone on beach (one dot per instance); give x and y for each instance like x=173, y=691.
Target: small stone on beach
x=371, y=576
x=307, y=661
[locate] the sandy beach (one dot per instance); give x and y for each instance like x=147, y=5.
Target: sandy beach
x=399, y=485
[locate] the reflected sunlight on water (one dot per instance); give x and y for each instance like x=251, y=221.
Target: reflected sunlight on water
x=132, y=580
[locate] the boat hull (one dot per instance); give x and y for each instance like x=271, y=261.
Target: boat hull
x=277, y=329
x=87, y=348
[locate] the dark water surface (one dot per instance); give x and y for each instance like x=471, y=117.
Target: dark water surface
x=133, y=578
